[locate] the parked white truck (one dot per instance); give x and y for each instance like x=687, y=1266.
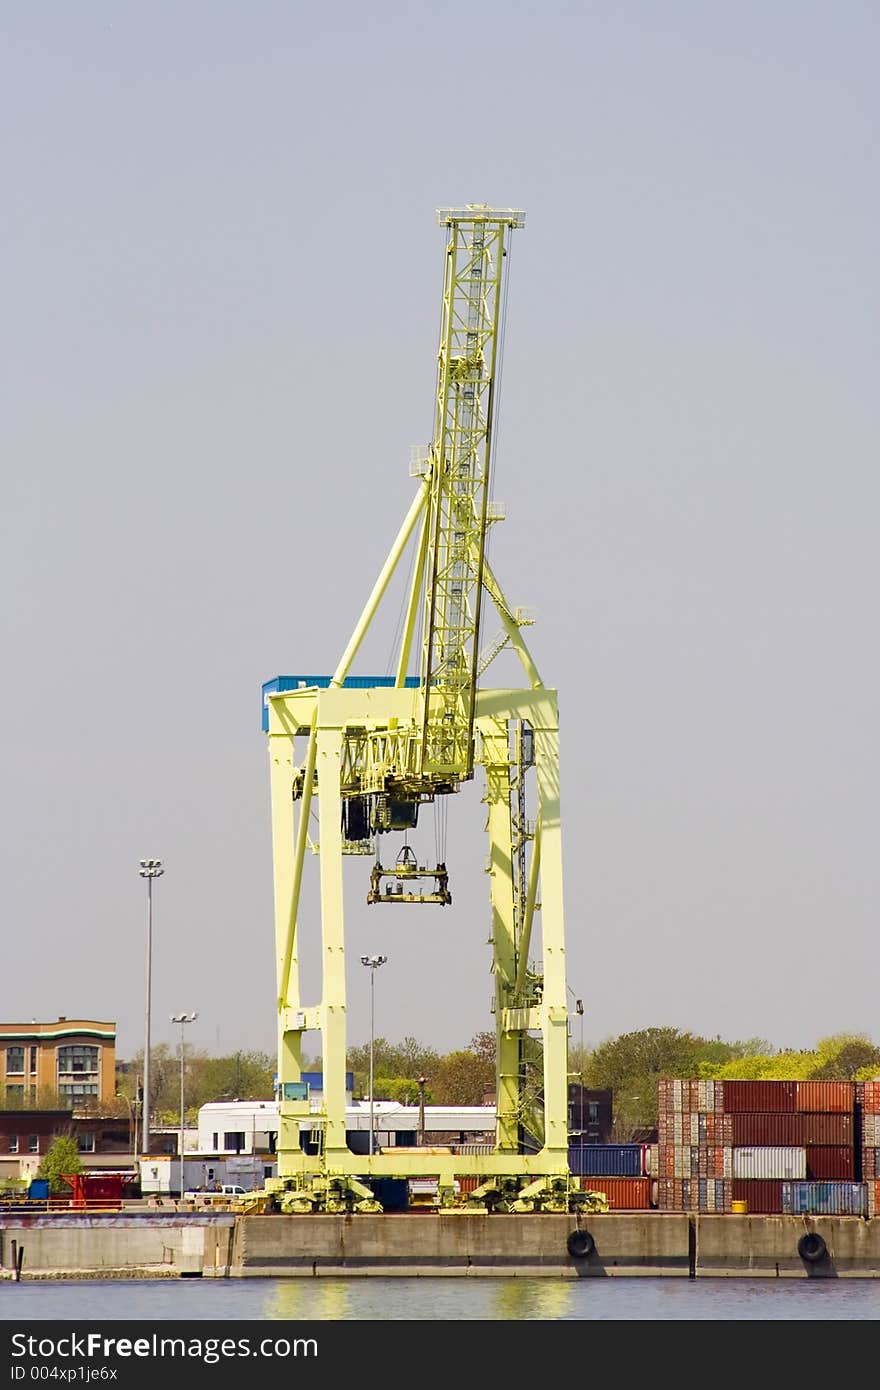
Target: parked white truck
x=222, y=1193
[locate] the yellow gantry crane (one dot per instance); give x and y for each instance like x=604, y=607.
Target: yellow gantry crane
x=364, y=755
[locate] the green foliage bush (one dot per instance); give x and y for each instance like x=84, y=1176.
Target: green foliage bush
x=61, y=1157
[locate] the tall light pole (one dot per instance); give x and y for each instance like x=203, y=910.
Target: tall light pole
x=373, y=963
x=149, y=869
x=182, y=1019
x=423, y=1081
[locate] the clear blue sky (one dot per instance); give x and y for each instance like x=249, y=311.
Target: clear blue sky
x=221, y=277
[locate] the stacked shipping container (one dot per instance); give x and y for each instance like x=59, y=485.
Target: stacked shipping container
x=780, y=1146
x=868, y=1127
x=694, y=1155
x=607, y=1160
x=618, y=1170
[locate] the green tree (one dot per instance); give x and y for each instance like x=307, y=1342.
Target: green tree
x=401, y=1089
x=846, y=1055
x=780, y=1066
x=632, y=1064
x=46, y=1098
x=358, y=1062
x=164, y=1078
x=662, y=1052
x=408, y=1060
x=415, y=1058
x=484, y=1046
x=462, y=1078
x=62, y=1156
x=240, y=1076
x=714, y=1052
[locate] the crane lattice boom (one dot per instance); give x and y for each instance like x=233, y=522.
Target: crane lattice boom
x=460, y=459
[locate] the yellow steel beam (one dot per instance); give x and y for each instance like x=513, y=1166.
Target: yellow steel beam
x=380, y=585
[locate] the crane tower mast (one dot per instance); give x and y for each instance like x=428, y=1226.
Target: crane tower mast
x=458, y=508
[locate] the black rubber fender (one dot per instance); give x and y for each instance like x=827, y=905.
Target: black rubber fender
x=580, y=1244
x=811, y=1247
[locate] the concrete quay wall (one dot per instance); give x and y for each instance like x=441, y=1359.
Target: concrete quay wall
x=675, y=1244
x=668, y=1244
x=756, y=1246
x=459, y=1243
x=112, y=1244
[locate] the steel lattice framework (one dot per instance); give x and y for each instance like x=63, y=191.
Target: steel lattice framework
x=459, y=464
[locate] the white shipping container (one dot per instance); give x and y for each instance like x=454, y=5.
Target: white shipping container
x=684, y=1162
x=677, y=1097
x=768, y=1161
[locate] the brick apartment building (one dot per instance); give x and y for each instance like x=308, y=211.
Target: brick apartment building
x=72, y=1060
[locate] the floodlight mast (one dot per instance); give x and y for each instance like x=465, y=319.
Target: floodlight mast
x=372, y=751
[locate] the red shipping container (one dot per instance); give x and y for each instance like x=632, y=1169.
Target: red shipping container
x=719, y=1130
x=764, y=1195
x=468, y=1183
x=98, y=1189
x=871, y=1097
x=825, y=1096
x=874, y=1198
x=678, y=1194
x=712, y=1163
x=781, y=1131
x=624, y=1194
x=667, y=1191
x=820, y=1128
x=836, y=1163
x=776, y=1097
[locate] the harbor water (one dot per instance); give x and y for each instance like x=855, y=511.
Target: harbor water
x=440, y=1299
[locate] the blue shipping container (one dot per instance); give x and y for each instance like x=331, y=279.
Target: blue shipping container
x=606, y=1160
x=825, y=1198
x=393, y=1193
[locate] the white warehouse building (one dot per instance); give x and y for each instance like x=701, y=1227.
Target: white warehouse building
x=251, y=1126
x=237, y=1139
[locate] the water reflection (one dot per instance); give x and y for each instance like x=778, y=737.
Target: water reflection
x=302, y=1298
x=341, y=1300
x=451, y=1299
x=536, y=1298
